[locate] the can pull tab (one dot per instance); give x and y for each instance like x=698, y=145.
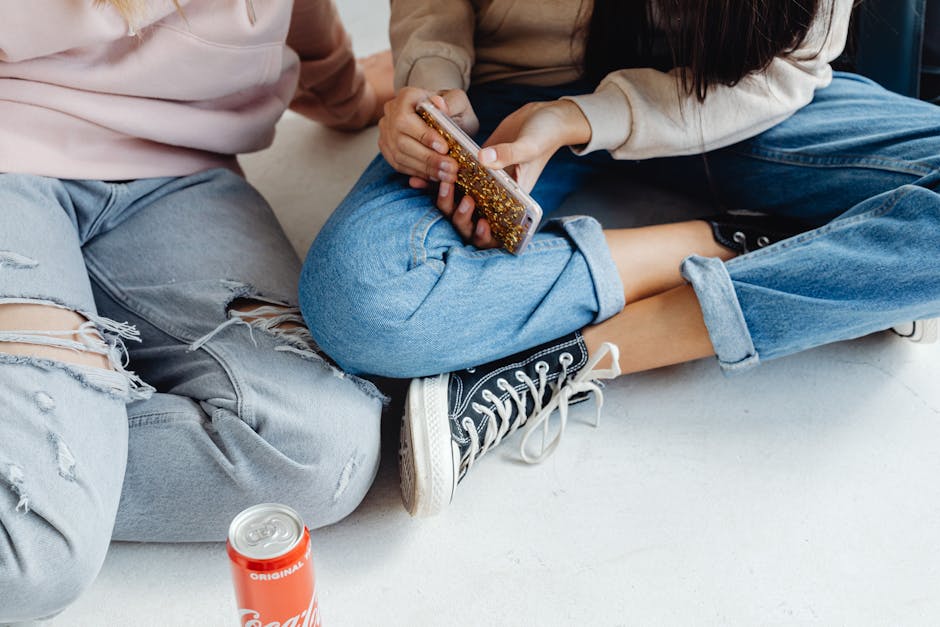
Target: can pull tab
x=268, y=532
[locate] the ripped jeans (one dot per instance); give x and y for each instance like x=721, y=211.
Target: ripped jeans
x=231, y=413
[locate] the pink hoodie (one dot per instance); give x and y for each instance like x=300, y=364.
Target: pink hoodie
x=82, y=97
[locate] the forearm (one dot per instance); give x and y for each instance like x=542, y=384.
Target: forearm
x=432, y=45
x=332, y=88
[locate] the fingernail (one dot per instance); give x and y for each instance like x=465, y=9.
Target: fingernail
x=444, y=175
x=444, y=189
x=479, y=229
x=447, y=166
x=439, y=147
x=463, y=206
x=488, y=155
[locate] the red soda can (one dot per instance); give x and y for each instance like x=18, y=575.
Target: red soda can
x=275, y=586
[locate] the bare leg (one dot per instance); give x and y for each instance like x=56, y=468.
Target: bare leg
x=662, y=323
x=658, y=331
x=45, y=318
x=648, y=258
x=251, y=310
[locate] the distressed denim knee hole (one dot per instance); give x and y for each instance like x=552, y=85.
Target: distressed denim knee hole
x=284, y=323
x=96, y=335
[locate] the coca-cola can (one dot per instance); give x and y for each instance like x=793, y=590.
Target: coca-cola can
x=272, y=568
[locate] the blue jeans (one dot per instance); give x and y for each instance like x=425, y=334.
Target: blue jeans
x=231, y=414
x=859, y=163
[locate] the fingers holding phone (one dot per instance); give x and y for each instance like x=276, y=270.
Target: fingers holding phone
x=460, y=210
x=494, y=209
x=408, y=144
x=456, y=106
x=526, y=139
x=413, y=148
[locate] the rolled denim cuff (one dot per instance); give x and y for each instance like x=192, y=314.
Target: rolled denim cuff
x=588, y=236
x=722, y=312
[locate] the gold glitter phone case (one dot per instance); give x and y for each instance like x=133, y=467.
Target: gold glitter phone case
x=512, y=214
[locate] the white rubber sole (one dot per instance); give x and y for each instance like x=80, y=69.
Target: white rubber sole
x=919, y=331
x=426, y=457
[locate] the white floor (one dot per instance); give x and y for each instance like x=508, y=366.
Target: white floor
x=805, y=492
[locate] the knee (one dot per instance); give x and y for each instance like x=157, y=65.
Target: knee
x=376, y=311
x=43, y=569
x=365, y=325
x=323, y=461
x=371, y=277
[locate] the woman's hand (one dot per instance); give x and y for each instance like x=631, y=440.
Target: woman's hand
x=522, y=144
x=414, y=148
x=525, y=141
x=379, y=74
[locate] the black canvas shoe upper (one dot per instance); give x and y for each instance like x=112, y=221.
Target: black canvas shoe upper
x=747, y=232
x=488, y=402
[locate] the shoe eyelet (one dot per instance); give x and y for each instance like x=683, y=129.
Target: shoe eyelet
x=503, y=384
x=467, y=423
x=471, y=370
x=762, y=241
x=488, y=395
x=565, y=359
x=739, y=237
x=541, y=367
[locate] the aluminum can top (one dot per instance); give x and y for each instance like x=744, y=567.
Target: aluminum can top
x=266, y=531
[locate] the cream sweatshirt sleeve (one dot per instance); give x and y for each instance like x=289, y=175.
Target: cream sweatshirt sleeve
x=643, y=113
x=432, y=43
x=332, y=89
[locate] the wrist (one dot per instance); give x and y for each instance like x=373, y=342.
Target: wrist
x=577, y=129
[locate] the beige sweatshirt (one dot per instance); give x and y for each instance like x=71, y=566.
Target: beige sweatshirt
x=634, y=113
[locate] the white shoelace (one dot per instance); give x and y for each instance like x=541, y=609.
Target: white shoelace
x=501, y=423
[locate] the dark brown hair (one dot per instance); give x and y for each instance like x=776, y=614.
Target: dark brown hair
x=711, y=41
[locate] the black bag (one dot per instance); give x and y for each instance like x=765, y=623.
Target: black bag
x=930, y=71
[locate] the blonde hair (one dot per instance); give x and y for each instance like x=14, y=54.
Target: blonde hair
x=132, y=10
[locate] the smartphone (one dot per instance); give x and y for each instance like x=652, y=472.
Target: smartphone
x=512, y=214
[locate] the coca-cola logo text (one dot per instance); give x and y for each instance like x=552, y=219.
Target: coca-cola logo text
x=251, y=618
x=310, y=617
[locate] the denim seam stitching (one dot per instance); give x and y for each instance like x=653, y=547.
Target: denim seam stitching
x=859, y=161
x=113, y=195
x=824, y=230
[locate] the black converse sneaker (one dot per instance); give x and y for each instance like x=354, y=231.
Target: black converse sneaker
x=452, y=419
x=920, y=331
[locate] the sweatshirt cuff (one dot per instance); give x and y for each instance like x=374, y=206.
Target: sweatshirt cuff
x=608, y=112
x=435, y=74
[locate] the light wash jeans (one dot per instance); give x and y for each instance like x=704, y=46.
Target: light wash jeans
x=859, y=163
x=240, y=414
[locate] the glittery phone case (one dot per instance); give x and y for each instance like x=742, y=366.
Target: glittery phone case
x=512, y=214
